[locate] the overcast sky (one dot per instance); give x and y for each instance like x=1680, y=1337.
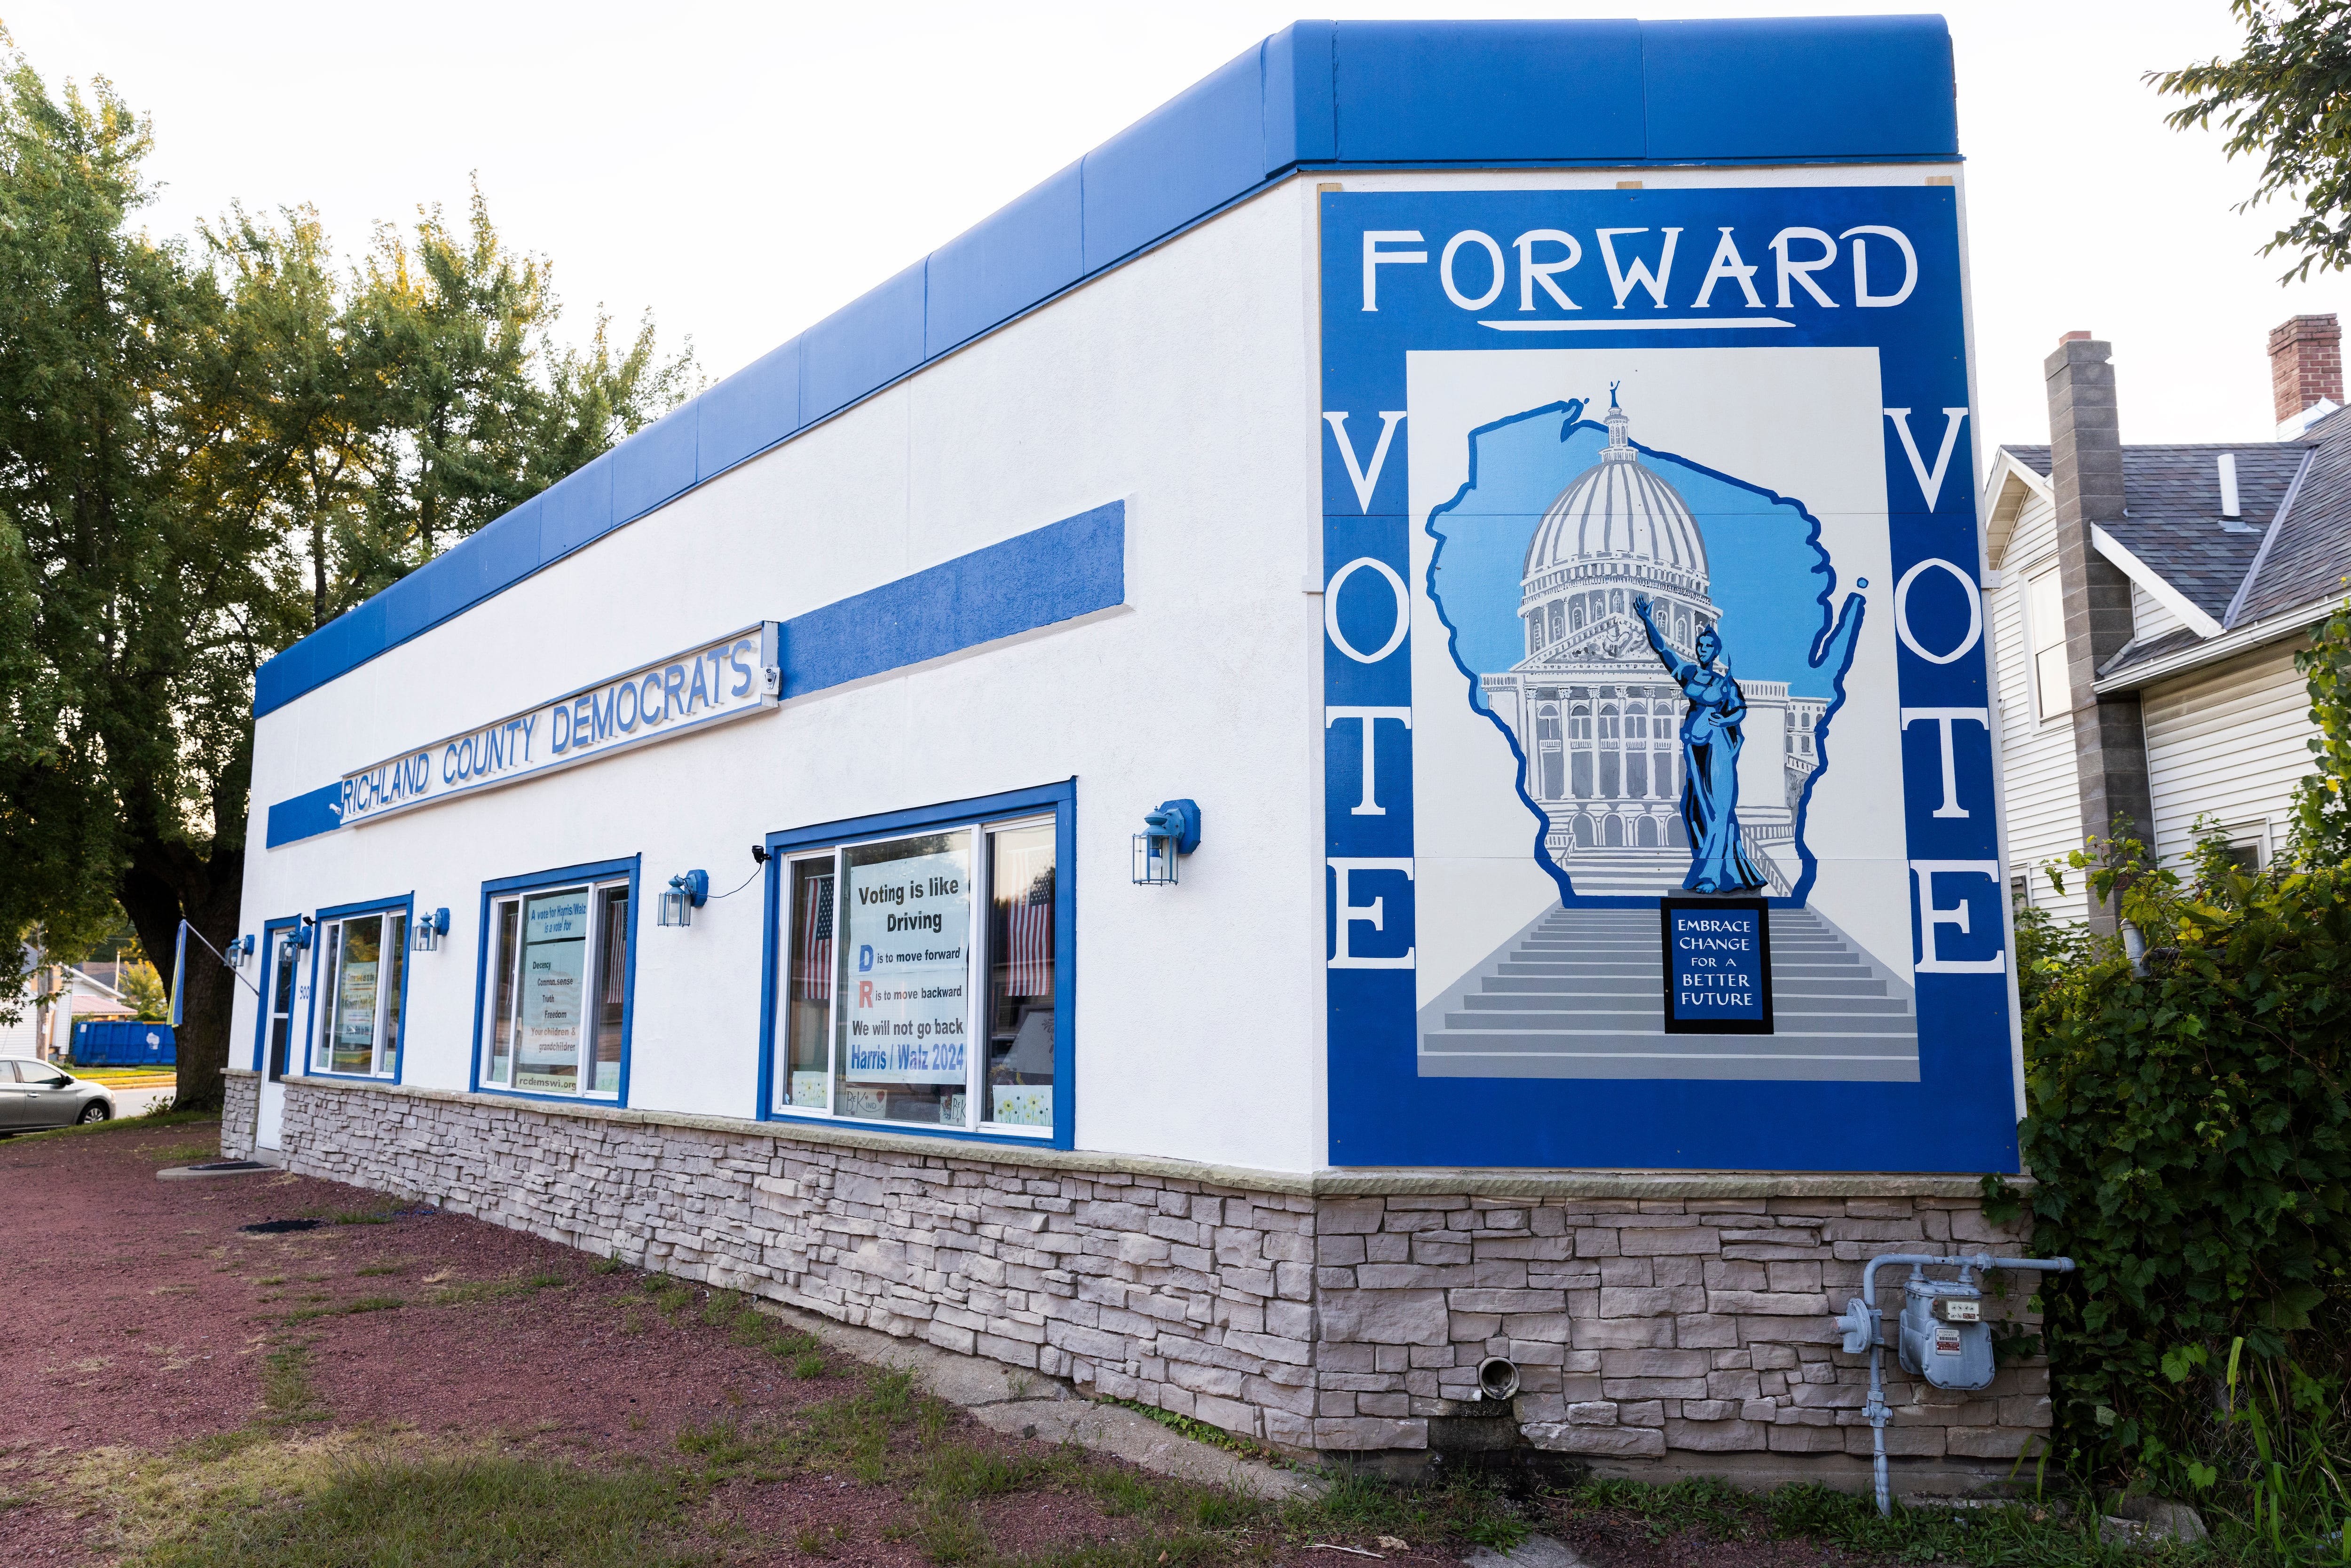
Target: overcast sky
x=743, y=169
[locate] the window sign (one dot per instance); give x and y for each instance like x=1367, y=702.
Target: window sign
x=554, y=974
x=902, y=985
x=918, y=977
x=359, y=1027
x=557, y=1001
x=909, y=962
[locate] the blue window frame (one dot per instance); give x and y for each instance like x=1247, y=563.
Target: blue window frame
x=273, y=1031
x=358, y=990
x=920, y=970
x=555, y=983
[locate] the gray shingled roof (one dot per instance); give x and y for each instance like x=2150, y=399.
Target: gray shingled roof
x=2171, y=496
x=2138, y=653
x=2312, y=553
x=2172, y=522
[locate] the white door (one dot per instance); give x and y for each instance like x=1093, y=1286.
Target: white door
x=277, y=1042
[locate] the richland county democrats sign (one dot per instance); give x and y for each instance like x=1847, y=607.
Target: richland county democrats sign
x=737, y=676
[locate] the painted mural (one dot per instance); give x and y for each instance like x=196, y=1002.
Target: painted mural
x=1640, y=586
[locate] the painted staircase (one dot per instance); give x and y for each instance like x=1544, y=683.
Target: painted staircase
x=1579, y=994
x=1648, y=874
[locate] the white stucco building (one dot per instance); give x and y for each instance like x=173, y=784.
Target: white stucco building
x=728, y=859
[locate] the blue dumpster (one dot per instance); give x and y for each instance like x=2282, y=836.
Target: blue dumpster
x=123, y=1042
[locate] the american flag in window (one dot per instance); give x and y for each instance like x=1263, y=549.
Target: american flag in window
x=812, y=942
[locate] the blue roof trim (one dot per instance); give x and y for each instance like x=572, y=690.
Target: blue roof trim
x=1025, y=583
x=1334, y=95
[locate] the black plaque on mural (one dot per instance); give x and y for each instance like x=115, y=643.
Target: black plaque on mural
x=1718, y=964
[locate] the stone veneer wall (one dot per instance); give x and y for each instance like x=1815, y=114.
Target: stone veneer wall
x=1660, y=1321
x=240, y=1107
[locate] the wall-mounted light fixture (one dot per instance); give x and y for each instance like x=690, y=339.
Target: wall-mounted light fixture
x=239, y=951
x=305, y=932
x=685, y=896
x=430, y=929
x=1169, y=832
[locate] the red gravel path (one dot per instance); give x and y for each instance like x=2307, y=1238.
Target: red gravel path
x=142, y=1300
x=140, y=1320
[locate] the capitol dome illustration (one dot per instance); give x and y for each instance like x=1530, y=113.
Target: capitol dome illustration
x=1596, y=717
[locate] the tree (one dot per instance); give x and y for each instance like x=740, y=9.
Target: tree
x=201, y=460
x=128, y=677
x=2287, y=98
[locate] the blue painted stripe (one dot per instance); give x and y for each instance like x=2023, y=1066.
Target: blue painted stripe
x=307, y=816
x=1057, y=572
x=1315, y=95
x=1032, y=580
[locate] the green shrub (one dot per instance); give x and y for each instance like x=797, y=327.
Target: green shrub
x=2188, y=1130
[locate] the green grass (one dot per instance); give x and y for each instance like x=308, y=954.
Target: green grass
x=364, y=1305
x=288, y=1395
x=475, y=1511
x=744, y=1323
x=365, y=1270
x=493, y=1289
x=149, y=1123
x=2026, y=1535
x=1198, y=1430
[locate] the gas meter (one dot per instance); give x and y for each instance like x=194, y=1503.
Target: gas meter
x=1944, y=1337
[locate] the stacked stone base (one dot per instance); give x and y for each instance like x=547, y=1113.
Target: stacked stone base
x=240, y=1107
x=1661, y=1323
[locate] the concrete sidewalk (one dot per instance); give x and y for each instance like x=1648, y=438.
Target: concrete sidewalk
x=1031, y=1405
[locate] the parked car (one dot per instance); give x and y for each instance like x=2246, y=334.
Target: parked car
x=39, y=1095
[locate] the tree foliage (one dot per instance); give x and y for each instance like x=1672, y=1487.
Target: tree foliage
x=206, y=452
x=2190, y=1133
x=2286, y=100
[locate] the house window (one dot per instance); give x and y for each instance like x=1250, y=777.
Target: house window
x=362, y=970
x=2044, y=624
x=922, y=973
x=557, y=982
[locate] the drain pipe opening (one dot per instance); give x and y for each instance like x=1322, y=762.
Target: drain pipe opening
x=1498, y=1377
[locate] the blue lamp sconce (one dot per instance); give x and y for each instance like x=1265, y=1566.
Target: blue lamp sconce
x=1168, y=833
x=240, y=950
x=305, y=932
x=430, y=929
x=686, y=894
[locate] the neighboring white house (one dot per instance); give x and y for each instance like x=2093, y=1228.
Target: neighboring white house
x=60, y=993
x=2191, y=711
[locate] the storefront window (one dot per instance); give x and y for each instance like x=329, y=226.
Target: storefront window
x=1020, y=1067
x=917, y=978
x=359, y=1027
x=808, y=984
x=558, y=1004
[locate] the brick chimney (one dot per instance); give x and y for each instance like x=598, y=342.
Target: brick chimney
x=2305, y=364
x=2085, y=463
